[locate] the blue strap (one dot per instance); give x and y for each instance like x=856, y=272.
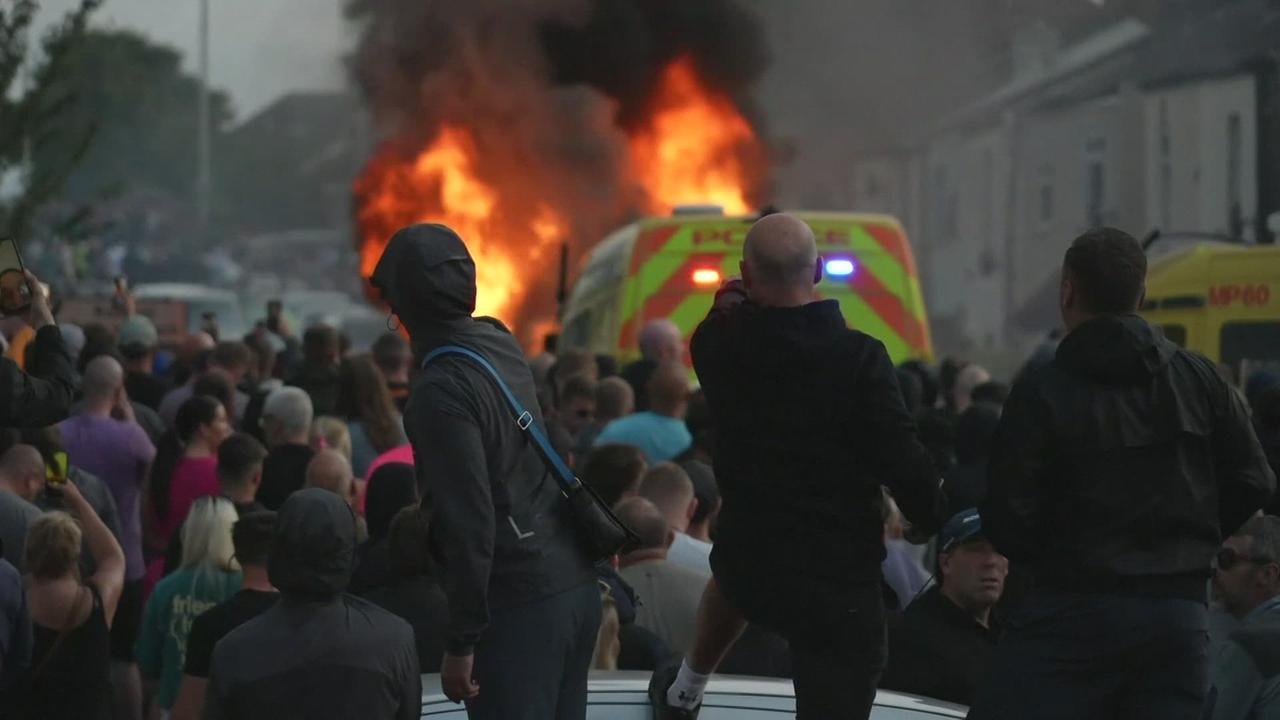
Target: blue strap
x=524, y=419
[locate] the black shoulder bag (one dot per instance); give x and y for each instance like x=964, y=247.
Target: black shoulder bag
x=600, y=531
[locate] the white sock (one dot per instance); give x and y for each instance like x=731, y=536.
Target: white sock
x=686, y=691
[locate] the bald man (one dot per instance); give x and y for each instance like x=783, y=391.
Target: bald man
x=659, y=432
x=809, y=423
x=330, y=470
x=661, y=342
x=21, y=479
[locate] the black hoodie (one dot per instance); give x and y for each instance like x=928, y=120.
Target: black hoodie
x=809, y=424
x=500, y=531
x=1120, y=466
x=317, y=652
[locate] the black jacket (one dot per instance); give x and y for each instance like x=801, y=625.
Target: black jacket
x=42, y=398
x=938, y=650
x=809, y=424
x=317, y=652
x=500, y=530
x=1121, y=465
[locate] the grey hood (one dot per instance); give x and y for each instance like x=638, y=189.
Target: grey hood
x=315, y=544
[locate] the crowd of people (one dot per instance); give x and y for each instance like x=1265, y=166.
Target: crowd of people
x=273, y=526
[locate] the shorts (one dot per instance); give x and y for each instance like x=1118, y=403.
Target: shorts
x=128, y=621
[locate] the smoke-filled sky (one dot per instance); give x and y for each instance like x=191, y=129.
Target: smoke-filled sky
x=260, y=49
x=842, y=76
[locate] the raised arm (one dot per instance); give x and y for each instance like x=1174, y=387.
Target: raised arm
x=108, y=558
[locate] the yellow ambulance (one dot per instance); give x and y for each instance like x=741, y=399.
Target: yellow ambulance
x=671, y=267
x=1221, y=300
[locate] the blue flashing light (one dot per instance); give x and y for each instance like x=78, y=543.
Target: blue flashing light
x=840, y=268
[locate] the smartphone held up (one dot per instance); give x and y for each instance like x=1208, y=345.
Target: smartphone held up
x=15, y=291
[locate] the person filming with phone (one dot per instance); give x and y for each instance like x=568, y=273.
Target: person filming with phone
x=44, y=397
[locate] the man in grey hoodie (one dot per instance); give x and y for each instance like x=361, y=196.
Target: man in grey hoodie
x=524, y=608
x=319, y=652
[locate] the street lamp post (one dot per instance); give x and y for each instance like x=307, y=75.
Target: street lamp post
x=204, y=177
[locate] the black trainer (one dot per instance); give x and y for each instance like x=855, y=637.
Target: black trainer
x=663, y=678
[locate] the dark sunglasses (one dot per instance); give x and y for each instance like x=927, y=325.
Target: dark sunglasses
x=1229, y=558
x=584, y=414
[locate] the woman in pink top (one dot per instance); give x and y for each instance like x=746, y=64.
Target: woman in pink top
x=185, y=468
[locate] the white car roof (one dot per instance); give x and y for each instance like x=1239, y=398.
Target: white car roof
x=624, y=695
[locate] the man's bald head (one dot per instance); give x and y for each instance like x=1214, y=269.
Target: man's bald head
x=103, y=378
x=645, y=519
x=330, y=470
x=780, y=260
x=197, y=343
x=22, y=471
x=661, y=341
x=669, y=389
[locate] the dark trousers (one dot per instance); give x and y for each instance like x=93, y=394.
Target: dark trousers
x=1071, y=655
x=837, y=638
x=532, y=661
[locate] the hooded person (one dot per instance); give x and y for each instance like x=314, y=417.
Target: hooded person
x=524, y=607
x=318, y=652
x=1115, y=472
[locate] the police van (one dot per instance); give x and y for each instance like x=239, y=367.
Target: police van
x=671, y=267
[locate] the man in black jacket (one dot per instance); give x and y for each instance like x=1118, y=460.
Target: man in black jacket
x=44, y=397
x=941, y=646
x=1115, y=473
x=809, y=424
x=318, y=652
x=524, y=609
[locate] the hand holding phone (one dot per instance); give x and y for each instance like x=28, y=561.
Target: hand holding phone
x=55, y=473
x=15, y=285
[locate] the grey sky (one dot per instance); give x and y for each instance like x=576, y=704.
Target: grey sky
x=260, y=49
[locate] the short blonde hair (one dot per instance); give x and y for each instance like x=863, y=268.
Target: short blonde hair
x=206, y=535
x=335, y=434
x=53, y=546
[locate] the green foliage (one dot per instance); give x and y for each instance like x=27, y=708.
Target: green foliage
x=31, y=104
x=145, y=111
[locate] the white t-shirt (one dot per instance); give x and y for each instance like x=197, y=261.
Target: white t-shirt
x=691, y=553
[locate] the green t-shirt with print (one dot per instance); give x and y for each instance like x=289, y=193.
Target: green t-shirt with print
x=174, y=604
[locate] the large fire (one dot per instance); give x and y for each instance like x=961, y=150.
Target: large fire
x=689, y=151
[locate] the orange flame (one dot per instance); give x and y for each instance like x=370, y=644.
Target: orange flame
x=695, y=148
x=691, y=150
x=441, y=185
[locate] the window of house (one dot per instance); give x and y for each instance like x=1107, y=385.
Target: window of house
x=1166, y=167
x=1044, y=199
x=1235, y=211
x=1095, y=181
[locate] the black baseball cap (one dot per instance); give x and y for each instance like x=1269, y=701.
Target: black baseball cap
x=961, y=528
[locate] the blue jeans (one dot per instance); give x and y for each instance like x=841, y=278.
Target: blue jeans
x=1071, y=656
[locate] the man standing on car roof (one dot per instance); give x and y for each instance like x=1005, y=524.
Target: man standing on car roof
x=809, y=422
x=524, y=608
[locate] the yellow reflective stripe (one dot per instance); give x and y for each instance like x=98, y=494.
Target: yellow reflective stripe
x=862, y=317
x=691, y=311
